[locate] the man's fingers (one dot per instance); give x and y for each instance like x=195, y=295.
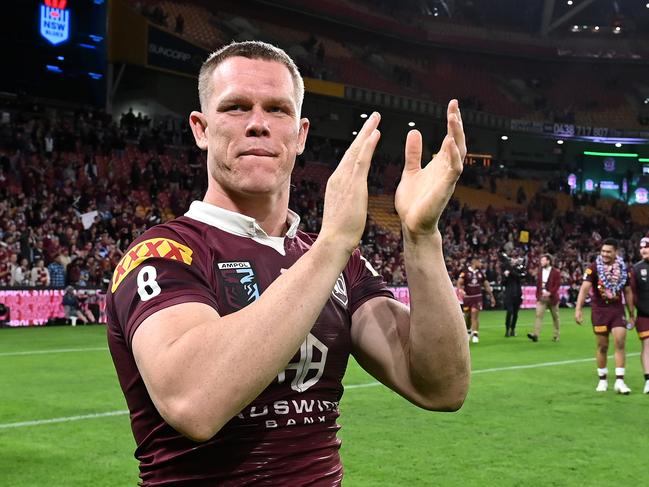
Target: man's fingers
x=366, y=130
x=455, y=127
x=364, y=159
x=413, y=151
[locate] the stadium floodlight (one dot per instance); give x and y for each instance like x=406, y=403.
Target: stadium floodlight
x=610, y=154
x=617, y=30
x=411, y=124
x=569, y=2
x=575, y=28
x=354, y=132
x=363, y=115
x=618, y=144
x=560, y=142
x=504, y=137
x=597, y=27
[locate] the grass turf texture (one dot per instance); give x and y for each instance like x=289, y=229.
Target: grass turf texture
x=540, y=426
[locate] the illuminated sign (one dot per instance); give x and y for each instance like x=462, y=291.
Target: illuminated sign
x=572, y=181
x=641, y=195
x=55, y=21
x=609, y=164
x=589, y=185
x=609, y=185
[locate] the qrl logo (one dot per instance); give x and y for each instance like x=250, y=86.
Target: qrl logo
x=55, y=21
x=310, y=367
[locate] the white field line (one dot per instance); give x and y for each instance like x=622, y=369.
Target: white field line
x=39, y=422
x=54, y=350
x=66, y=419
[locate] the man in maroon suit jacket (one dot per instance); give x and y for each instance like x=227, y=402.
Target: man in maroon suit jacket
x=548, y=281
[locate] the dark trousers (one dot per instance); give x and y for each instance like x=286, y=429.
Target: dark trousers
x=512, y=305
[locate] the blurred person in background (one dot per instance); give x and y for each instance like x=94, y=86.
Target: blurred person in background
x=73, y=308
x=513, y=275
x=607, y=277
x=640, y=286
x=470, y=285
x=548, y=282
x=40, y=276
x=57, y=273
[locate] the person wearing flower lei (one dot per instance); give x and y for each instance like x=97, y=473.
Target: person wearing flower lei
x=608, y=278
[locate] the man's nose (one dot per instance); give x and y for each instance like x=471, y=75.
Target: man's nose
x=257, y=123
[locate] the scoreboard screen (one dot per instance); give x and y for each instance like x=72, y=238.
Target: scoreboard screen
x=57, y=50
x=614, y=175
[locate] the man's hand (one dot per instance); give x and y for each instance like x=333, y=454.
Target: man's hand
x=579, y=318
x=632, y=322
x=423, y=194
x=493, y=301
x=345, y=202
x=460, y=293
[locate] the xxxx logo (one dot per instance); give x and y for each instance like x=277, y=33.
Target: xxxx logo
x=163, y=248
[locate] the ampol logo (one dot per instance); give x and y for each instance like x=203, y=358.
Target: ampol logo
x=55, y=21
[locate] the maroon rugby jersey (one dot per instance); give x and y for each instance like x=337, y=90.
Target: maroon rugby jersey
x=473, y=282
x=287, y=436
x=599, y=299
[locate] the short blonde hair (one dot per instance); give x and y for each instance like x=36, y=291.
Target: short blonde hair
x=249, y=50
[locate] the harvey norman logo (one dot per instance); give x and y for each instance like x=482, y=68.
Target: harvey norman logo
x=55, y=21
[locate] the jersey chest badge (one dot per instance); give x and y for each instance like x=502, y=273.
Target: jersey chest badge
x=239, y=283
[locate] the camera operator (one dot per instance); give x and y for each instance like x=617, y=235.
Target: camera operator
x=514, y=271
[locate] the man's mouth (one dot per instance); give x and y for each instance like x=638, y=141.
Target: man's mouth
x=258, y=152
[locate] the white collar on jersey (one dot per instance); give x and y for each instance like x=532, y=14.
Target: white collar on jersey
x=241, y=225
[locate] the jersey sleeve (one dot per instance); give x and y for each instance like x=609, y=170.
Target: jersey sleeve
x=364, y=282
x=141, y=287
x=590, y=274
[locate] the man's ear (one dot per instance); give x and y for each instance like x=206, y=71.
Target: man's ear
x=301, y=136
x=198, y=124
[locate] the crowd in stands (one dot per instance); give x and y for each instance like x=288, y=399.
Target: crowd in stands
x=77, y=189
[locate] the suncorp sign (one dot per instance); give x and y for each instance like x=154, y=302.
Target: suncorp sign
x=169, y=53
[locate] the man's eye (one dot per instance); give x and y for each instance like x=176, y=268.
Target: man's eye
x=276, y=110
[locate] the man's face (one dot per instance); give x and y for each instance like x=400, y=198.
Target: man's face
x=644, y=253
x=250, y=128
x=544, y=261
x=608, y=253
x=476, y=264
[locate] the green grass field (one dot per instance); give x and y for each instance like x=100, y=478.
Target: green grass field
x=532, y=417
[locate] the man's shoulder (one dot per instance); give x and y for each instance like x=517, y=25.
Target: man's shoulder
x=641, y=264
x=181, y=232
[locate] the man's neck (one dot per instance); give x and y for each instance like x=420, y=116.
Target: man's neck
x=270, y=212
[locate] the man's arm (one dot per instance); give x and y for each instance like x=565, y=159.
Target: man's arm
x=201, y=369
x=490, y=292
x=423, y=353
x=629, y=300
x=555, y=281
x=460, y=285
x=581, y=299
